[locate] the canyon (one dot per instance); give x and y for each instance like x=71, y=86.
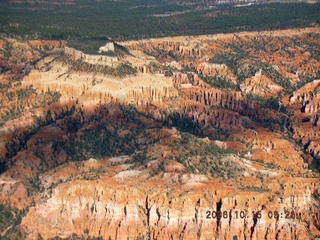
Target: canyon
x=196, y=137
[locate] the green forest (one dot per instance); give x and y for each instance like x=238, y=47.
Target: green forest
x=86, y=20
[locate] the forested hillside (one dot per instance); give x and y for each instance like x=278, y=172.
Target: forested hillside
x=94, y=21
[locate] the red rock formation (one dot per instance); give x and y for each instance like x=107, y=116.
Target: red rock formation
x=154, y=192
x=260, y=85
x=183, y=80
x=206, y=116
x=305, y=105
x=123, y=208
x=216, y=70
x=215, y=97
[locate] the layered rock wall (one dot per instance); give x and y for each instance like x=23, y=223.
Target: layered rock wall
x=184, y=79
x=208, y=117
x=305, y=105
x=124, y=211
x=215, y=97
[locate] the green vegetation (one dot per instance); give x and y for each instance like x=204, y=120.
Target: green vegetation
x=2, y=166
x=96, y=138
x=262, y=113
x=7, y=50
x=220, y=83
x=239, y=61
x=245, y=57
x=271, y=102
x=121, y=70
x=14, y=101
x=185, y=124
x=137, y=19
x=92, y=45
x=315, y=165
x=98, y=141
x=267, y=164
x=254, y=189
x=13, y=147
x=206, y=158
x=276, y=77
x=10, y=219
x=34, y=186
